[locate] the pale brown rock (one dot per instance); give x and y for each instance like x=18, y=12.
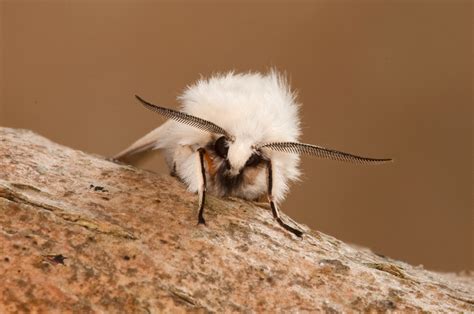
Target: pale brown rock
x=81, y=234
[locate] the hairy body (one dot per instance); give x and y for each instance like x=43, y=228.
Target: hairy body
x=255, y=109
x=236, y=135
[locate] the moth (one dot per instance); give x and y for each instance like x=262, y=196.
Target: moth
x=236, y=135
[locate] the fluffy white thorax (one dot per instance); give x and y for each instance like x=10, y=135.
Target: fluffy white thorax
x=254, y=109
x=252, y=106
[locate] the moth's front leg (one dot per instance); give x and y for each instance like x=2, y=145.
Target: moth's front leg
x=273, y=205
x=201, y=174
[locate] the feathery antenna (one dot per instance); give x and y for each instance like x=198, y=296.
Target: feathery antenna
x=185, y=118
x=321, y=152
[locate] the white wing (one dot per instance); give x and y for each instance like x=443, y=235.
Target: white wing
x=151, y=141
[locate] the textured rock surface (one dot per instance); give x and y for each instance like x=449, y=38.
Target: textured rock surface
x=79, y=233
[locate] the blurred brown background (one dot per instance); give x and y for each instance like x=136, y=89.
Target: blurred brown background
x=378, y=78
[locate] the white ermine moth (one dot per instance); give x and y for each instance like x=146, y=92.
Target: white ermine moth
x=236, y=135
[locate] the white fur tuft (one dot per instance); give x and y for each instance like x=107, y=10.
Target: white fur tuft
x=255, y=108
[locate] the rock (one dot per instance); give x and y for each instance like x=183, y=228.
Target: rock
x=81, y=234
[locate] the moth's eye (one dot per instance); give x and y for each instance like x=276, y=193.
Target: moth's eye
x=221, y=147
x=254, y=160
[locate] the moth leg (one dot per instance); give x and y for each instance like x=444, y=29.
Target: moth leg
x=173, y=171
x=275, y=210
x=202, y=186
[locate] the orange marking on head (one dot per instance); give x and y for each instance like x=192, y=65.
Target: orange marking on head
x=210, y=164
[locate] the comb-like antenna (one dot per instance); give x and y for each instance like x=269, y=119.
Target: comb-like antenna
x=300, y=148
x=185, y=118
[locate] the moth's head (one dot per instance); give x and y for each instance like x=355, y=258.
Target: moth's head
x=236, y=155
